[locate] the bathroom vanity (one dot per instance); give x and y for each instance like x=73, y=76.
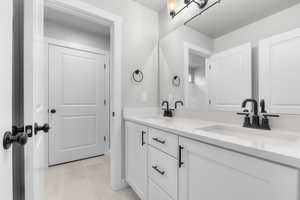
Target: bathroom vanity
x=189, y=159
x=199, y=158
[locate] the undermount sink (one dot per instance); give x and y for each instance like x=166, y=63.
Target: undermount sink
x=246, y=133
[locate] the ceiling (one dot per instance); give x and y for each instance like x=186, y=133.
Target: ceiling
x=227, y=16
x=79, y=23
x=156, y=5
x=233, y=14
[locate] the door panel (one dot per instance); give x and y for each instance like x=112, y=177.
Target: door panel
x=230, y=78
x=77, y=93
x=6, y=18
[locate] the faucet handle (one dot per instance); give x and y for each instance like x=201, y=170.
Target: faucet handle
x=247, y=121
x=265, y=121
x=244, y=112
x=270, y=115
x=263, y=106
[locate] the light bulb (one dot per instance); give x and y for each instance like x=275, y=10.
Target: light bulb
x=172, y=7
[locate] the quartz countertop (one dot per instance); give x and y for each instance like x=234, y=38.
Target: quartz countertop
x=278, y=146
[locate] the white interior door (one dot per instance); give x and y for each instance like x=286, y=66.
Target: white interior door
x=230, y=78
x=77, y=94
x=6, y=19
x=35, y=97
x=279, y=82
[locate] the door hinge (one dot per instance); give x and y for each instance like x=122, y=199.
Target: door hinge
x=105, y=102
x=113, y=114
x=104, y=138
x=104, y=66
x=209, y=102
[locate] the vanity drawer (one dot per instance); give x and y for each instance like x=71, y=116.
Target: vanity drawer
x=156, y=193
x=164, y=141
x=162, y=169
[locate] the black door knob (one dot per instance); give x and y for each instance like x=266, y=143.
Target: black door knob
x=45, y=128
x=53, y=111
x=9, y=139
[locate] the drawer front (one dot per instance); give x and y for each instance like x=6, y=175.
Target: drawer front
x=162, y=169
x=164, y=141
x=156, y=193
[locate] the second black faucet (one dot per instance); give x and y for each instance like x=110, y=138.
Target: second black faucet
x=168, y=112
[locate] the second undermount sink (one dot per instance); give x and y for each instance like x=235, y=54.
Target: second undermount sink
x=245, y=133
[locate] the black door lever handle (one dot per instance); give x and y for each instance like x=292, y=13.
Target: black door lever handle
x=45, y=128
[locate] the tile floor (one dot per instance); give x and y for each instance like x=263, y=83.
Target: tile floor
x=83, y=180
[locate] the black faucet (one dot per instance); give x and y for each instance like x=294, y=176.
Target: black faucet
x=167, y=112
x=255, y=118
x=178, y=102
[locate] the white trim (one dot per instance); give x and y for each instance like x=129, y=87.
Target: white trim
x=79, y=8
x=186, y=47
x=76, y=46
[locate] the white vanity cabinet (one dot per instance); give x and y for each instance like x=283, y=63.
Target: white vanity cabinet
x=136, y=158
x=171, y=167
x=213, y=173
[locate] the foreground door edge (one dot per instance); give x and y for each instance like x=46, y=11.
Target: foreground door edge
x=35, y=100
x=6, y=21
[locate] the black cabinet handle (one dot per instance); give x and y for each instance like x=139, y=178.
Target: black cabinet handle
x=158, y=170
x=143, y=138
x=159, y=141
x=180, y=156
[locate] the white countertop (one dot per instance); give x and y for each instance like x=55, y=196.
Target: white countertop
x=278, y=146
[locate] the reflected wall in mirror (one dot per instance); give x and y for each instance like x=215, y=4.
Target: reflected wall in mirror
x=196, y=77
x=220, y=61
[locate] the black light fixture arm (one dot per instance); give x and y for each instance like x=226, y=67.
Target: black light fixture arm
x=200, y=13
x=174, y=14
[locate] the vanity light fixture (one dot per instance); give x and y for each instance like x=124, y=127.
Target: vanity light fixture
x=200, y=3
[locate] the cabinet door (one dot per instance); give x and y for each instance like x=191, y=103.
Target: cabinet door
x=279, y=83
x=156, y=193
x=212, y=173
x=136, y=158
x=230, y=78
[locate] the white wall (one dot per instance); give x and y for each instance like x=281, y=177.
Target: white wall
x=172, y=60
x=140, y=39
x=281, y=22
x=69, y=33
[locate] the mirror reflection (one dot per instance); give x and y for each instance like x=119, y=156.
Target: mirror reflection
x=222, y=59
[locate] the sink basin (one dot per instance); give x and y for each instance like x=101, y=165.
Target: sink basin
x=245, y=133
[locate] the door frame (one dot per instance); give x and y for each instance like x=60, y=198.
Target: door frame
x=90, y=12
x=50, y=41
x=186, y=58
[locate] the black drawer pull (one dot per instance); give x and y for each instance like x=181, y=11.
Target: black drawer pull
x=143, y=139
x=158, y=170
x=180, y=156
x=159, y=141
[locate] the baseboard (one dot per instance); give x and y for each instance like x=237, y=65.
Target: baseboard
x=123, y=184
